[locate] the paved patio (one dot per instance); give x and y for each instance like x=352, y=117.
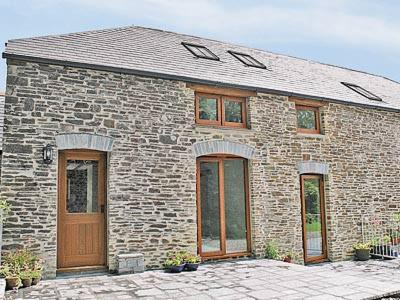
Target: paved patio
x=250, y=279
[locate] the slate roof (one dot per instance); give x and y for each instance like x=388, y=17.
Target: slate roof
x=158, y=53
x=2, y=98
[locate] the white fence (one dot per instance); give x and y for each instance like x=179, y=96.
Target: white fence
x=383, y=235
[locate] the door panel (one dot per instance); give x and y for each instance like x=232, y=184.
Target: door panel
x=223, y=213
x=313, y=215
x=210, y=207
x=235, y=206
x=81, y=209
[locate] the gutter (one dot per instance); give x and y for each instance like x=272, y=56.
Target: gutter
x=186, y=79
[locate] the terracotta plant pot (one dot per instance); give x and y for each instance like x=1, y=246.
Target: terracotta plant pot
x=191, y=267
x=35, y=281
x=12, y=282
x=26, y=282
x=287, y=259
x=176, y=269
x=362, y=254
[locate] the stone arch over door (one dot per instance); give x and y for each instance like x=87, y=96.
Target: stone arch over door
x=223, y=147
x=84, y=141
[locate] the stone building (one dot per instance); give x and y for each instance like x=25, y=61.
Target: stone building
x=1, y=124
x=136, y=140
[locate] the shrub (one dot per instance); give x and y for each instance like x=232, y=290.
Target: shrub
x=271, y=251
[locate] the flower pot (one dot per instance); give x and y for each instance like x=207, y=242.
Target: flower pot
x=287, y=259
x=362, y=254
x=176, y=269
x=12, y=282
x=26, y=282
x=35, y=281
x=191, y=266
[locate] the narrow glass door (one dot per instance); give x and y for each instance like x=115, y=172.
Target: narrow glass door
x=313, y=215
x=223, y=227
x=210, y=207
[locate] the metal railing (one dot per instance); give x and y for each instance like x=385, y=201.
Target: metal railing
x=383, y=236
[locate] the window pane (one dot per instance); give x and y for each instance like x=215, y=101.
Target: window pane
x=208, y=109
x=233, y=111
x=313, y=217
x=306, y=119
x=210, y=216
x=235, y=206
x=82, y=186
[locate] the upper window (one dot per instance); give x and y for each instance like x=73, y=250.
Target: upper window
x=220, y=110
x=362, y=91
x=200, y=51
x=308, y=119
x=248, y=60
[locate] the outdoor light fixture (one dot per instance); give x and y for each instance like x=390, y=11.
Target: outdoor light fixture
x=48, y=154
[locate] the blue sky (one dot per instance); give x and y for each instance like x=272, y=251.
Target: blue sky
x=358, y=34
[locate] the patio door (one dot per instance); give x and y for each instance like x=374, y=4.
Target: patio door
x=313, y=217
x=222, y=207
x=81, y=209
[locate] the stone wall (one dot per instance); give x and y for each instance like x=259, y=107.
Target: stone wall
x=152, y=167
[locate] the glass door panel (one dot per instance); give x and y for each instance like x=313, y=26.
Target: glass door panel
x=313, y=218
x=235, y=206
x=210, y=207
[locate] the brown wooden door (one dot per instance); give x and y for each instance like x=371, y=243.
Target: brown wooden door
x=222, y=207
x=81, y=209
x=313, y=217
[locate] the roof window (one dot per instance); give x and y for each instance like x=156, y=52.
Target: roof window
x=200, y=51
x=247, y=60
x=362, y=91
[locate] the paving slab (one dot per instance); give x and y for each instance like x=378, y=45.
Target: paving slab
x=247, y=279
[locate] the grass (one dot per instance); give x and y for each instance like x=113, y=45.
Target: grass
x=315, y=226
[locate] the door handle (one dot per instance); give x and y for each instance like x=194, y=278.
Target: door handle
x=102, y=208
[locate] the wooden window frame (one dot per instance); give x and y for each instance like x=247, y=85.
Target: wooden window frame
x=221, y=110
x=324, y=254
x=222, y=252
x=315, y=109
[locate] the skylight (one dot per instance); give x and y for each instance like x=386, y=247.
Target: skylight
x=362, y=91
x=200, y=51
x=248, y=60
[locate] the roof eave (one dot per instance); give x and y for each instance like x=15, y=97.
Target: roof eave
x=6, y=55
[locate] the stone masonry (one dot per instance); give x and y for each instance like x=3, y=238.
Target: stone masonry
x=152, y=167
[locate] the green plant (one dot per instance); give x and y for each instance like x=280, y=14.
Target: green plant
x=8, y=272
x=290, y=254
x=36, y=273
x=170, y=262
x=25, y=275
x=386, y=239
x=364, y=246
x=192, y=259
x=5, y=207
x=271, y=251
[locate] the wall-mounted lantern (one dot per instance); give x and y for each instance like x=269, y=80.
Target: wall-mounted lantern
x=48, y=154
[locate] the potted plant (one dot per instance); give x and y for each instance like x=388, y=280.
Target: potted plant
x=174, y=265
x=174, y=262
x=36, y=276
x=11, y=276
x=288, y=257
x=26, y=278
x=192, y=262
x=362, y=251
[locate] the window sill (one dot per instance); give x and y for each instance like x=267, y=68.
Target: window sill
x=311, y=135
x=225, y=128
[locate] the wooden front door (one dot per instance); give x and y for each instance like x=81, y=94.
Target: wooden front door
x=313, y=216
x=81, y=209
x=222, y=207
